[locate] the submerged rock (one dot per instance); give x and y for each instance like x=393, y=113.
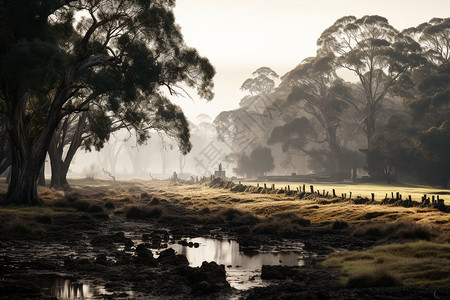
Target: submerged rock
x=169, y=257
x=209, y=278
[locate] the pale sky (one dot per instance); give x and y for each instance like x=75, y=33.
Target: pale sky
x=239, y=36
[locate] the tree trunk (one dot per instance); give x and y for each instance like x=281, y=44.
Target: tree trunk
x=22, y=188
x=26, y=165
x=59, y=171
x=334, y=148
x=59, y=165
x=27, y=156
x=41, y=179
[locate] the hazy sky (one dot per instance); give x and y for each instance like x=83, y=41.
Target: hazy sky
x=239, y=36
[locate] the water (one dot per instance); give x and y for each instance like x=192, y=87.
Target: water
x=65, y=289
x=243, y=270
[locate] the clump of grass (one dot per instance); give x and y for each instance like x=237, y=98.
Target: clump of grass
x=110, y=205
x=205, y=210
x=416, y=264
x=71, y=197
x=95, y=209
x=82, y=205
x=62, y=203
x=287, y=225
x=44, y=219
x=394, y=231
x=236, y=217
x=19, y=228
x=143, y=212
x=155, y=201
x=145, y=196
x=339, y=224
x=379, y=278
x=230, y=216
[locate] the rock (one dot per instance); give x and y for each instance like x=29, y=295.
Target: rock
x=209, y=278
x=144, y=255
x=166, y=253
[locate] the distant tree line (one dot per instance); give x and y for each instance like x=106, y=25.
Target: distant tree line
x=394, y=119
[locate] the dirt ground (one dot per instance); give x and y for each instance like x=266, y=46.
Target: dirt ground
x=109, y=240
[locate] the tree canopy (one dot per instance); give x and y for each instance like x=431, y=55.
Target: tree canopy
x=108, y=57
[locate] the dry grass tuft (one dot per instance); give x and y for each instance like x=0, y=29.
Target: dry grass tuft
x=110, y=205
x=286, y=225
x=339, y=224
x=19, y=228
x=44, y=219
x=379, y=278
x=417, y=264
x=143, y=212
x=394, y=231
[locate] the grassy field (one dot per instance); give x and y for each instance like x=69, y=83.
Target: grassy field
x=200, y=197
x=366, y=189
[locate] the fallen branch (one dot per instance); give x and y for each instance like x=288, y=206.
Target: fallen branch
x=109, y=174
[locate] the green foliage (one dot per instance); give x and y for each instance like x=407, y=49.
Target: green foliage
x=258, y=163
x=294, y=134
x=426, y=92
x=111, y=60
x=376, y=52
x=261, y=83
x=324, y=96
x=393, y=148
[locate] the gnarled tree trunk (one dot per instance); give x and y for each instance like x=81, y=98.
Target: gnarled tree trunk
x=70, y=133
x=27, y=155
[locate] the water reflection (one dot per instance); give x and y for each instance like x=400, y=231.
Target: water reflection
x=66, y=289
x=243, y=270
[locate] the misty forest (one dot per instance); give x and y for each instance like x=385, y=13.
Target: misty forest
x=330, y=181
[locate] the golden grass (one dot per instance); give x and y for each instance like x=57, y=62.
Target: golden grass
x=264, y=205
x=417, y=264
x=366, y=189
x=200, y=197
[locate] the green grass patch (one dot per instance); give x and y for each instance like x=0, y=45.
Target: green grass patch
x=415, y=264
